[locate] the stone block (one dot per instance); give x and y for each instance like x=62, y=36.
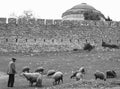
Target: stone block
x=41, y=21
x=49, y=21
x=114, y=24
x=57, y=22
x=31, y=22
x=3, y=20
x=11, y=20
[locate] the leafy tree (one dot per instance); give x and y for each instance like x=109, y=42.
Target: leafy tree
x=27, y=15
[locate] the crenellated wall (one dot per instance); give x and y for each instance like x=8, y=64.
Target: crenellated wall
x=38, y=35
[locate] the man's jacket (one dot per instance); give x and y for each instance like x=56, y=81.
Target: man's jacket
x=11, y=68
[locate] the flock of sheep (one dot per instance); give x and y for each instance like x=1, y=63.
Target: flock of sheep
x=37, y=76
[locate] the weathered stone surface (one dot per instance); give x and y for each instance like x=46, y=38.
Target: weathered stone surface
x=55, y=35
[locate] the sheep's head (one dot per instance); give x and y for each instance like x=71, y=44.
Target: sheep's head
x=26, y=69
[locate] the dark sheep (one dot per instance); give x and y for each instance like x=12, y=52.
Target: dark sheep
x=26, y=69
x=99, y=75
x=109, y=45
x=88, y=47
x=111, y=74
x=51, y=72
x=77, y=75
x=73, y=75
x=82, y=70
x=39, y=70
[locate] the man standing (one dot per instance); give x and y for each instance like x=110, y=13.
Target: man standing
x=11, y=72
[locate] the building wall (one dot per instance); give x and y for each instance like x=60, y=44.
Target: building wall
x=38, y=35
x=74, y=17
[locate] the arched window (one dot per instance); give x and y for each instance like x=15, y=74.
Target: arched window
x=53, y=40
x=6, y=40
x=26, y=40
x=61, y=40
x=16, y=40
x=44, y=40
x=110, y=41
x=70, y=40
x=35, y=40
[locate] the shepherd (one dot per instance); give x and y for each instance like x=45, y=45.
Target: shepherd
x=11, y=72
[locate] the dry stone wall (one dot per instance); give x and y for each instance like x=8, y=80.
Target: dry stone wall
x=39, y=35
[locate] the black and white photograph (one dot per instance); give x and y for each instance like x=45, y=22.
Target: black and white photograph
x=59, y=44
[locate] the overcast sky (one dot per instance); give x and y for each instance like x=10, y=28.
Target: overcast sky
x=53, y=9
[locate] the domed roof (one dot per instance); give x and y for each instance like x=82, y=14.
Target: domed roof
x=83, y=6
x=80, y=9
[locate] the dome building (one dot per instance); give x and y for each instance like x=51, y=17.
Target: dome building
x=83, y=12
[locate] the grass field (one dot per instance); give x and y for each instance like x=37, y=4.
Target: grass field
x=65, y=62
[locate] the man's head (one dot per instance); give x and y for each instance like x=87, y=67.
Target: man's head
x=13, y=59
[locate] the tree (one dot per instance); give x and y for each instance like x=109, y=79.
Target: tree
x=108, y=19
x=27, y=15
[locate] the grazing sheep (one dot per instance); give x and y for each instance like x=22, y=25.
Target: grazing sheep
x=111, y=74
x=40, y=70
x=50, y=72
x=33, y=78
x=104, y=44
x=99, y=75
x=26, y=69
x=58, y=77
x=77, y=75
x=88, y=47
x=39, y=81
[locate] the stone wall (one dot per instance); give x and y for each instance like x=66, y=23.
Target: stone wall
x=38, y=35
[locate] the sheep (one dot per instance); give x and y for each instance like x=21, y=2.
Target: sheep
x=39, y=70
x=50, y=72
x=99, y=75
x=104, y=44
x=33, y=78
x=26, y=69
x=88, y=47
x=111, y=74
x=57, y=76
x=82, y=70
x=77, y=75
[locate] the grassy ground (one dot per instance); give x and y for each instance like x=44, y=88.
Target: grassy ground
x=65, y=62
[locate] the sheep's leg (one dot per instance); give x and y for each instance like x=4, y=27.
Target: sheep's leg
x=77, y=79
x=62, y=79
x=39, y=83
x=54, y=82
x=30, y=83
x=58, y=82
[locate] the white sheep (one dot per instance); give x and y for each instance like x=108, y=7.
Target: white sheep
x=33, y=78
x=58, y=77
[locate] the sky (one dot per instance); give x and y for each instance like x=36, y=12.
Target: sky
x=53, y=9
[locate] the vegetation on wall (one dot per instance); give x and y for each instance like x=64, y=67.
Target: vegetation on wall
x=91, y=16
